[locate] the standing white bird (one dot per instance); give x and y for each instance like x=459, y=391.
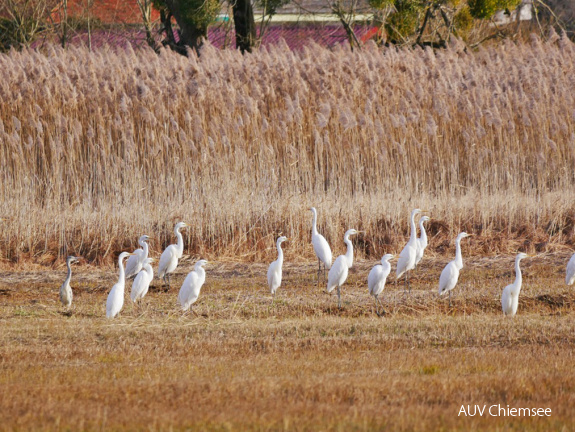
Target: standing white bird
x=142, y=281
x=422, y=240
x=570, y=274
x=510, y=296
x=136, y=261
x=338, y=271
x=450, y=273
x=406, y=261
x=170, y=256
x=320, y=247
x=115, y=301
x=192, y=284
x=376, y=280
x=65, y=290
x=275, y=268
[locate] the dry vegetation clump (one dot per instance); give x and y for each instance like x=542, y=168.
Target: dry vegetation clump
x=99, y=147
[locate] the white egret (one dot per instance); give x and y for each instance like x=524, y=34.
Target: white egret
x=338, y=271
x=570, y=274
x=510, y=296
x=422, y=240
x=320, y=247
x=65, y=290
x=192, y=284
x=406, y=261
x=170, y=256
x=275, y=268
x=136, y=261
x=376, y=280
x=115, y=301
x=450, y=273
x=142, y=281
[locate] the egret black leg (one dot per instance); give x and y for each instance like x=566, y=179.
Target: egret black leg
x=382, y=308
x=375, y=301
x=338, y=297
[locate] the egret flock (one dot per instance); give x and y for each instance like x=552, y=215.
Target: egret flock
x=138, y=266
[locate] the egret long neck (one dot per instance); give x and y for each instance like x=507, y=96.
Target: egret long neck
x=314, y=223
x=121, y=279
x=518, y=276
x=349, y=252
x=386, y=265
x=423, y=236
x=146, y=249
x=69, y=277
x=280, y=253
x=413, y=237
x=458, y=257
x=201, y=273
x=180, y=243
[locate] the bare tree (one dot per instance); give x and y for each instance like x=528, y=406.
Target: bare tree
x=145, y=7
x=346, y=11
x=25, y=21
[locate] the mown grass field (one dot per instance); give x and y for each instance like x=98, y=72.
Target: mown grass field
x=240, y=363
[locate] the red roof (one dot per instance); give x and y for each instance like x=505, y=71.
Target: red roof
x=105, y=11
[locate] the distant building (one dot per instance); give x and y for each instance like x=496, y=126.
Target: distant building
x=525, y=11
x=304, y=11
x=104, y=11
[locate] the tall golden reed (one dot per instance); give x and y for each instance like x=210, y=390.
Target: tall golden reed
x=100, y=147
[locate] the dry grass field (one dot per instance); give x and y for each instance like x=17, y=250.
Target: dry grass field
x=98, y=148
x=241, y=364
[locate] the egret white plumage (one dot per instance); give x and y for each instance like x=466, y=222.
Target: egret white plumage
x=142, y=281
x=422, y=240
x=450, y=273
x=65, y=290
x=136, y=261
x=170, y=256
x=190, y=289
x=406, y=260
x=510, y=296
x=275, y=268
x=115, y=301
x=340, y=268
x=320, y=246
x=570, y=273
x=376, y=280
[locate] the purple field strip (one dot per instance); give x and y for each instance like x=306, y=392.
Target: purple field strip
x=295, y=36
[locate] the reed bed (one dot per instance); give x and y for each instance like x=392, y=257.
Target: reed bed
x=100, y=147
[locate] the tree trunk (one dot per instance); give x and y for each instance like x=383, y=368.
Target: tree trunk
x=64, y=23
x=190, y=35
x=245, y=25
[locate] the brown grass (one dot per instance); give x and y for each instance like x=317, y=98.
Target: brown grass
x=241, y=364
x=98, y=148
